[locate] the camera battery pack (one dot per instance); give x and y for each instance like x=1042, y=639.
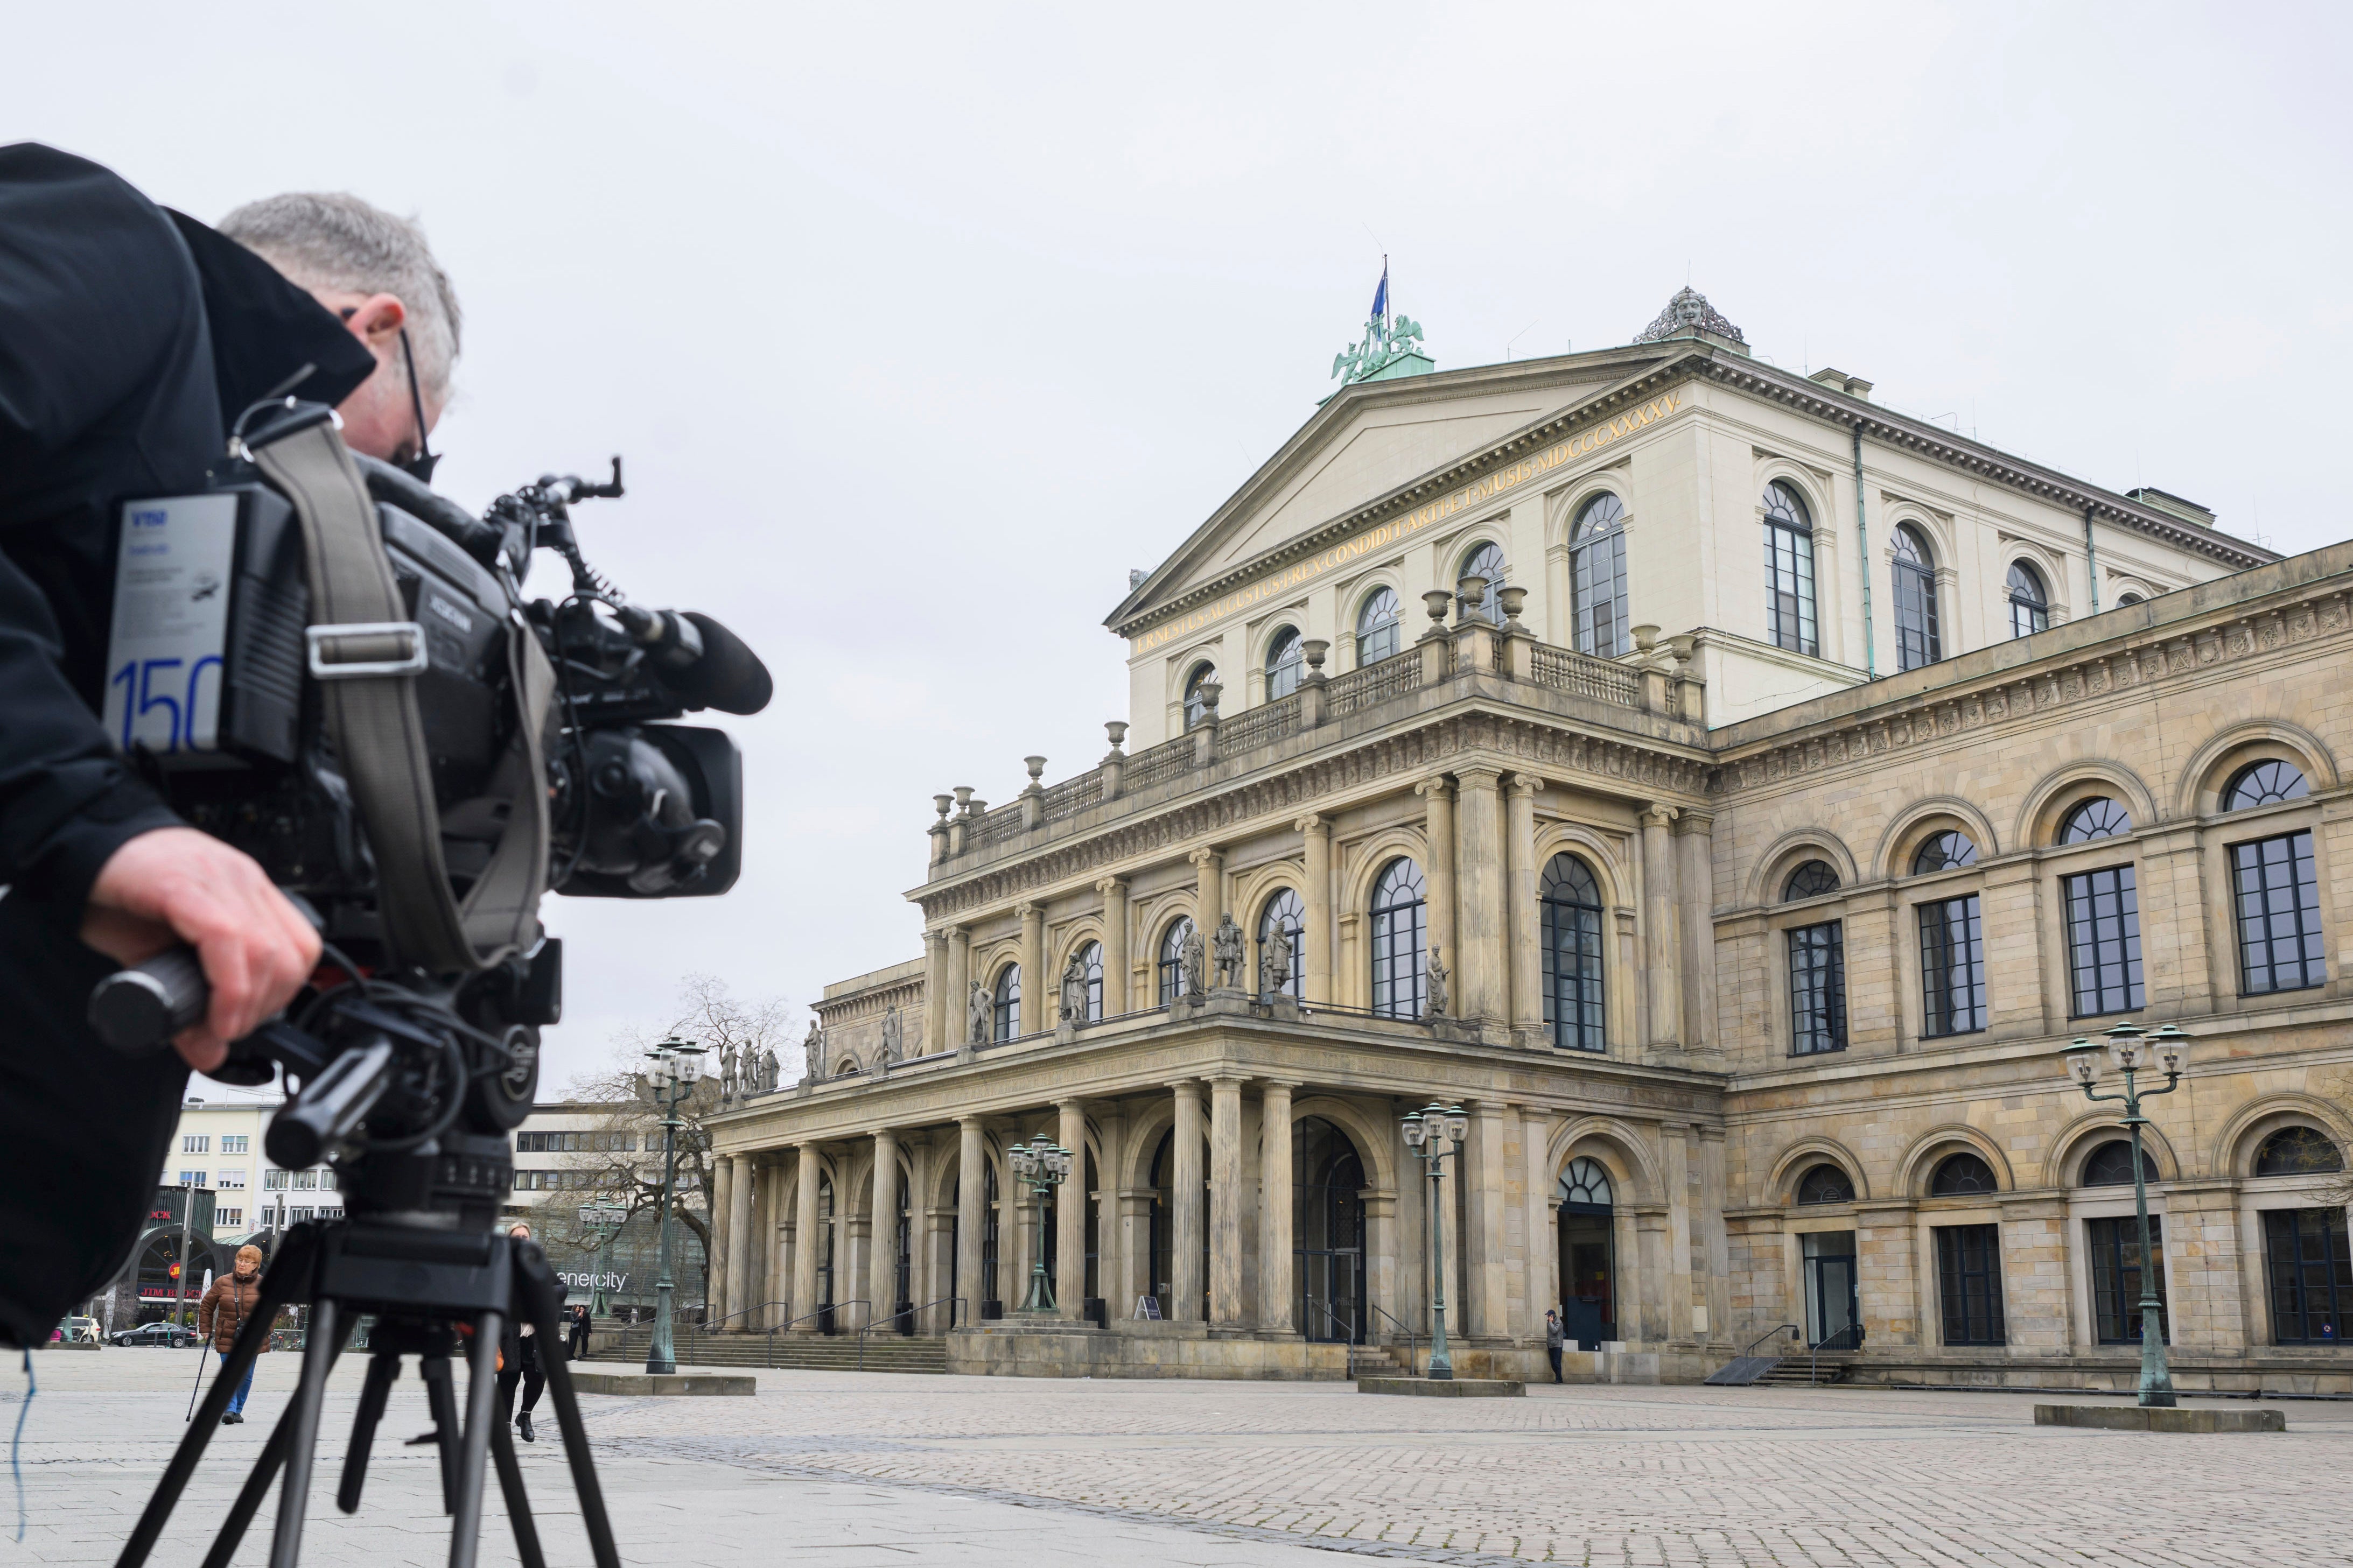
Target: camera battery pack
x=205, y=656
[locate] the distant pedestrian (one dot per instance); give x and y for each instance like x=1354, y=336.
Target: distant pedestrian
x=1555, y=1340
x=221, y=1314
x=519, y=1361
x=576, y=1339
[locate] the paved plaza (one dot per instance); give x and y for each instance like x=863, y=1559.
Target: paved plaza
x=840, y=1470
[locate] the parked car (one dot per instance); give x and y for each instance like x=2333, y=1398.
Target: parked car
x=175, y=1335
x=76, y=1331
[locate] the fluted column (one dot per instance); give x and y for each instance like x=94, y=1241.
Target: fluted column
x=1315, y=929
x=959, y=982
x=1479, y=966
x=1070, y=1212
x=1438, y=875
x=808, y=1246
x=1226, y=1201
x=935, y=992
x=1114, y=944
x=1209, y=895
x=882, y=1234
x=1485, y=1252
x=717, y=1214
x=1524, y=937
x=739, y=1239
x=1035, y=986
x=1659, y=943
x=1277, y=1283
x=972, y=1202
x=1184, y=1195
x=1695, y=887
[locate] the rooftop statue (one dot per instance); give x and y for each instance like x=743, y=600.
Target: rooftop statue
x=1689, y=309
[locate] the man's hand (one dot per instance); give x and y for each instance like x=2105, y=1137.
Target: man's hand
x=177, y=885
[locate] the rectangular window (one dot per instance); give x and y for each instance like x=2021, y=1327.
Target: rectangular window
x=1952, y=968
x=1818, y=989
x=2278, y=904
x=192, y=1178
x=306, y=1180
x=2103, y=940
x=228, y=1219
x=235, y=1144
x=2116, y=1278
x=1968, y=1280
x=195, y=1144
x=298, y=1216
x=273, y=1181
x=232, y=1178
x=327, y=1180
x=2311, y=1274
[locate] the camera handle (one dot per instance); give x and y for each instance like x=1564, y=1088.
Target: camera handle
x=139, y=1009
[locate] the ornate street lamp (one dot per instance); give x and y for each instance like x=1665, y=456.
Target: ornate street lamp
x=671, y=1071
x=602, y=1222
x=2135, y=1052
x=1433, y=1133
x=1043, y=1165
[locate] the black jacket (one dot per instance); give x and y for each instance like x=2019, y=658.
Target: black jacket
x=129, y=338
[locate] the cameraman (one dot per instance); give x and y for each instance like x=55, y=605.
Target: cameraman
x=130, y=337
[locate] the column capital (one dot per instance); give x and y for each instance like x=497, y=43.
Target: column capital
x=1479, y=777
x=1107, y=885
x=1223, y=1075
x=1204, y=855
x=971, y=1120
x=1285, y=1084
x=879, y=1134
x=1526, y=784
x=1436, y=786
x=1690, y=820
x=1659, y=814
x=1314, y=823
x=1025, y=909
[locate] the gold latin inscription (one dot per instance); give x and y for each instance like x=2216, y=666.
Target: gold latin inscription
x=1529, y=468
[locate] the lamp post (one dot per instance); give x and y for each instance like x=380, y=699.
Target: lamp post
x=673, y=1070
x=1433, y=1133
x=604, y=1221
x=1043, y=1165
x=2134, y=1052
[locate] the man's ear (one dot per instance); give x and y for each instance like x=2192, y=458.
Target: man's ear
x=378, y=320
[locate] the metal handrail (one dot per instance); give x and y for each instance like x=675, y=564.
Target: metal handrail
x=1768, y=1334
x=952, y=1303
x=1412, y=1340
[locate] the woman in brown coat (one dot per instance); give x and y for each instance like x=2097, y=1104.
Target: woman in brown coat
x=231, y=1300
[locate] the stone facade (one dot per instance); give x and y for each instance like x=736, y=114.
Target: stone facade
x=1675, y=1131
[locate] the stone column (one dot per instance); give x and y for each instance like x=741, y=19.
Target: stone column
x=1675, y=1151
x=1659, y=941
x=1696, y=898
x=935, y=992
x=1437, y=874
x=1035, y=985
x=1070, y=1212
x=1277, y=1283
x=1114, y=944
x=1479, y=967
x=1523, y=932
x=808, y=1246
x=1226, y=1203
x=1185, y=1194
x=883, y=1236
x=1484, y=1254
x=717, y=1214
x=1712, y=1245
x=1646, y=1313
x=1315, y=927
x=1209, y=899
x=972, y=1204
x=742, y=1255
x=1111, y=1267
x=959, y=981
x=1540, y=1224
x=775, y=1226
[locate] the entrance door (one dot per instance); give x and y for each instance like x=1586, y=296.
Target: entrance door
x=1328, y=1223
x=1833, y=1317
x=1588, y=1308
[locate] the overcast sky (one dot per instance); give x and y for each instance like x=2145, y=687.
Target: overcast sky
x=921, y=325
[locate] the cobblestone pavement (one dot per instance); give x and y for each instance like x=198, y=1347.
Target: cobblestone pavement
x=837, y=1468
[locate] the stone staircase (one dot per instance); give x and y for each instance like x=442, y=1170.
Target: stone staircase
x=814, y=1352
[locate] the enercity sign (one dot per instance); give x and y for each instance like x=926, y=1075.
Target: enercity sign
x=592, y=1281
x=1535, y=465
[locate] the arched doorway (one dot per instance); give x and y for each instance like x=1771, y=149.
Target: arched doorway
x=1327, y=1185
x=1588, y=1308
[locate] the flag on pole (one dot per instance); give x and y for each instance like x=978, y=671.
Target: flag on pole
x=1381, y=294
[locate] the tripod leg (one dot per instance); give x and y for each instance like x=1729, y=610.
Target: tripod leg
x=256, y=1485
x=503, y=1455
x=382, y=1370
x=443, y=1402
x=303, y=1442
x=535, y=1287
x=482, y=1411
x=282, y=1284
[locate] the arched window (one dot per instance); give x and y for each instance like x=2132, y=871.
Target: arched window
x=2099, y=817
x=1825, y=1184
x=2110, y=1165
x=1397, y=916
x=1196, y=707
x=1596, y=554
x=1961, y=1176
x=1091, y=960
x=1487, y=562
x=1007, y=1022
x=2262, y=784
x=1810, y=880
x=1788, y=571
x=1172, y=958
x=2124, y=599
x=1917, y=639
x=2030, y=606
x=1285, y=910
x=1285, y=658
x=1586, y=1184
x=1588, y=1254
x=1942, y=852
x=1378, y=634
x=1570, y=907
x=2298, y=1151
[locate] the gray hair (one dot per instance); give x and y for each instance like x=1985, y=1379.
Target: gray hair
x=331, y=240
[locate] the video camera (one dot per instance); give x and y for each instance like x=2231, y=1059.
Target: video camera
x=324, y=663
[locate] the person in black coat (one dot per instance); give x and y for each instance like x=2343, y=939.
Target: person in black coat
x=519, y=1354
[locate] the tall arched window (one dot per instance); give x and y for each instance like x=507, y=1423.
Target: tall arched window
x=2275, y=889
x=1284, y=909
x=1196, y=706
x=1285, y=657
x=1917, y=640
x=1397, y=916
x=1788, y=571
x=1487, y=562
x=1596, y=554
x=1570, y=905
x=1091, y=960
x=1172, y=958
x=1378, y=634
x=1008, y=1021
x=2029, y=606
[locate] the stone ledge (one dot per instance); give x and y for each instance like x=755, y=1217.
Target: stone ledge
x=671, y=1382
x=1446, y=1387
x=2144, y=1418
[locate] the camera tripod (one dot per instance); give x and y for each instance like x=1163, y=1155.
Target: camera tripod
x=422, y=1284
